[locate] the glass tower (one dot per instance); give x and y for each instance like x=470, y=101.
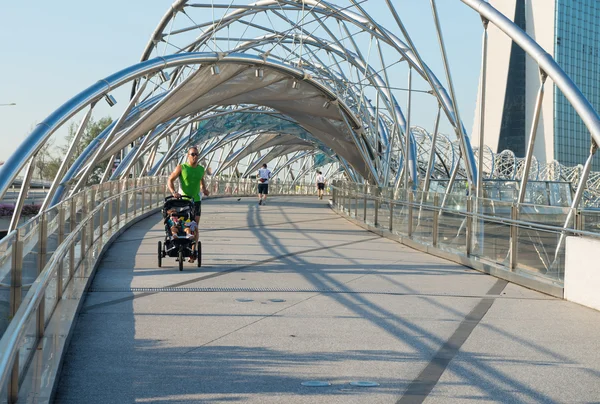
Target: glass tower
x=576, y=49
x=512, y=129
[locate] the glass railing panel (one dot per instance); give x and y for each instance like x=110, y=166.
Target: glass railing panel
x=400, y=218
x=546, y=215
x=536, y=247
x=6, y=251
x=65, y=271
x=27, y=344
x=30, y=233
x=537, y=193
x=50, y=298
x=537, y=253
x=349, y=208
x=423, y=217
x=591, y=221
x=452, y=224
x=370, y=212
x=491, y=237
x=383, y=216
x=4, y=390
x=54, y=224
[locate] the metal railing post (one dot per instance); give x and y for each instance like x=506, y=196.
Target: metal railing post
x=391, y=224
x=469, y=221
x=110, y=206
x=134, y=198
x=579, y=220
x=13, y=384
x=126, y=196
x=347, y=199
x=101, y=222
x=410, y=212
x=61, y=222
x=436, y=218
x=118, y=204
x=16, y=284
x=365, y=203
x=43, y=244
x=514, y=236
x=143, y=196
x=92, y=205
x=59, y=279
x=83, y=238
x=72, y=225
x=376, y=218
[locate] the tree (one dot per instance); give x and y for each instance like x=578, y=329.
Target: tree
x=43, y=159
x=93, y=129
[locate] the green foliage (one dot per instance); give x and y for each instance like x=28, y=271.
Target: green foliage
x=51, y=164
x=44, y=160
x=93, y=129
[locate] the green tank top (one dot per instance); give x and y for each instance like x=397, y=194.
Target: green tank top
x=190, y=180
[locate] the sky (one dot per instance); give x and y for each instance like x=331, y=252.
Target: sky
x=53, y=50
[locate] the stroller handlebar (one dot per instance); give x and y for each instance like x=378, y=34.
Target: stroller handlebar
x=185, y=197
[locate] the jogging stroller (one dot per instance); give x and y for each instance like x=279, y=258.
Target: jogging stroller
x=179, y=247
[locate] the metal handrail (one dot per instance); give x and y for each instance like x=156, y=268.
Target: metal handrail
x=9, y=344
x=495, y=219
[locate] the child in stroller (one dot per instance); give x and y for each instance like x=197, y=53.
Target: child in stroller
x=180, y=228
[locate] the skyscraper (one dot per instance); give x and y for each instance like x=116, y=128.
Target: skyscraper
x=569, y=30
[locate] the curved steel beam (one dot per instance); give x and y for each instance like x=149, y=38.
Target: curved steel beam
x=36, y=139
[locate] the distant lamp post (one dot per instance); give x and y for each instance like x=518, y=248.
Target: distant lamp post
x=8, y=105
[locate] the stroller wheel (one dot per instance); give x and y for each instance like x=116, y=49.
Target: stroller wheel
x=181, y=259
x=160, y=252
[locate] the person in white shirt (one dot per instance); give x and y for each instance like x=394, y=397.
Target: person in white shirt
x=320, y=184
x=263, y=184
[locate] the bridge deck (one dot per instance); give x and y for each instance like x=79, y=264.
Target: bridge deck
x=301, y=294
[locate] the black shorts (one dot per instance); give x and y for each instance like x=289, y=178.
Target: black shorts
x=197, y=208
x=263, y=189
x=320, y=185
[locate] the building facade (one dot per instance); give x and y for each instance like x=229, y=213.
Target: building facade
x=569, y=30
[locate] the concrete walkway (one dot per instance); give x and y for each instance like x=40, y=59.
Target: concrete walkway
x=289, y=293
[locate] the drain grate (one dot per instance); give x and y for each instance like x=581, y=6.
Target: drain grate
x=228, y=289
x=286, y=290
